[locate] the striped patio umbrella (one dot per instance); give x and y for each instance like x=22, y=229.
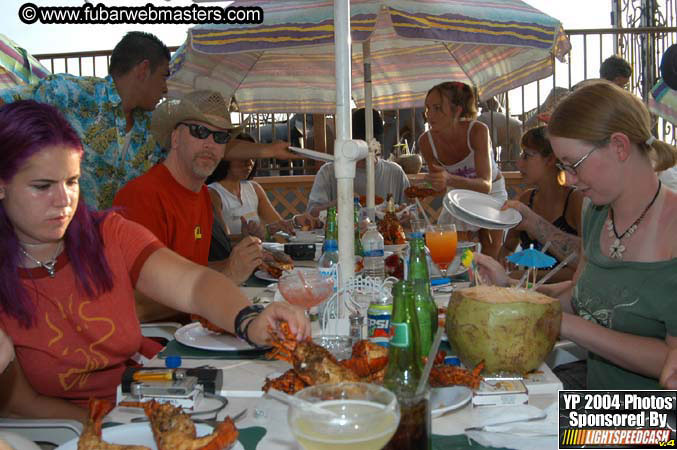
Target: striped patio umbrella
x=287, y=62
x=663, y=101
x=17, y=66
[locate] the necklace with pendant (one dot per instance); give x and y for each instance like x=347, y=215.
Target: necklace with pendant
x=616, y=248
x=48, y=265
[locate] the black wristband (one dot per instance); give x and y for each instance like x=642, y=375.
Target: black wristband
x=245, y=317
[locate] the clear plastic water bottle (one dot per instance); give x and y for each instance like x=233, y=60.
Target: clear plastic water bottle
x=328, y=260
x=327, y=267
x=373, y=248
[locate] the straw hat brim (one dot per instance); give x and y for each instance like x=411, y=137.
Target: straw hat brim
x=173, y=111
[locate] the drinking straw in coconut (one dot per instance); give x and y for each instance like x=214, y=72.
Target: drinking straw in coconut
x=524, y=278
x=556, y=269
x=431, y=359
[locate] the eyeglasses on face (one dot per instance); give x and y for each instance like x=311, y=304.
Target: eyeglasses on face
x=571, y=168
x=202, y=132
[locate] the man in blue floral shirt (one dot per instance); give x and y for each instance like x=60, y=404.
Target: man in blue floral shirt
x=111, y=115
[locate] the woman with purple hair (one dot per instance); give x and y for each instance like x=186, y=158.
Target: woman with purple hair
x=68, y=274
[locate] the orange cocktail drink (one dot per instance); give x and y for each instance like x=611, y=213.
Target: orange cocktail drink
x=441, y=241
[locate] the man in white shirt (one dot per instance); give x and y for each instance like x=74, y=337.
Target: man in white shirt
x=389, y=176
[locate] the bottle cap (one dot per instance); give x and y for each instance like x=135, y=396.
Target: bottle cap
x=452, y=361
x=172, y=362
x=439, y=281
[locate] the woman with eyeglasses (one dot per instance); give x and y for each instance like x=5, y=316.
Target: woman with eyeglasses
x=68, y=275
x=458, y=153
x=558, y=204
x=621, y=304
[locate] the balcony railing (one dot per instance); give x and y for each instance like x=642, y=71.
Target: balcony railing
x=642, y=47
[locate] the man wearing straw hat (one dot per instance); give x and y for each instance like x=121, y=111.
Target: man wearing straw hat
x=172, y=200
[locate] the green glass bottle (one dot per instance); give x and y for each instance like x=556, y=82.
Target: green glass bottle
x=331, y=227
x=358, y=242
x=405, y=365
x=418, y=275
x=418, y=263
x=426, y=312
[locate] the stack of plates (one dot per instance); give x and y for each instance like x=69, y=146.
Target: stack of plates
x=480, y=210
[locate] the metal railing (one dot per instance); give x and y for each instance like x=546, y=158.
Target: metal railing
x=642, y=47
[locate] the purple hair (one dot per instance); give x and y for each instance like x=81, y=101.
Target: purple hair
x=26, y=128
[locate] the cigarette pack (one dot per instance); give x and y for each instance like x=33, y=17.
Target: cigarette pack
x=500, y=393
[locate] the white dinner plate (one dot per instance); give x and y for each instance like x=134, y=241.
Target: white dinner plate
x=307, y=237
x=312, y=154
x=138, y=434
x=484, y=207
x=194, y=335
x=265, y=276
x=443, y=400
x=470, y=220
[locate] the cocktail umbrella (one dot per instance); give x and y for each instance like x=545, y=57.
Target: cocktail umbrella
x=17, y=66
x=532, y=259
x=400, y=49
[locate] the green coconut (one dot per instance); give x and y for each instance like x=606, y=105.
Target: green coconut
x=511, y=330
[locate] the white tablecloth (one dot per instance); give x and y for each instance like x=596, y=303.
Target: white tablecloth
x=242, y=381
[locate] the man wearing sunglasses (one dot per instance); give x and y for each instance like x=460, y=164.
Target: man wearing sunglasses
x=172, y=200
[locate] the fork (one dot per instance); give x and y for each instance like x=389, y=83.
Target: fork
x=530, y=419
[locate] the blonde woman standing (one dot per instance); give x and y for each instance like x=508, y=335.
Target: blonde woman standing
x=458, y=153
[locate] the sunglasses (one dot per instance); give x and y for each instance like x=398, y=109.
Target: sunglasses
x=202, y=132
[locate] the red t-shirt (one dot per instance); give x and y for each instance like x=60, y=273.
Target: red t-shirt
x=79, y=346
x=180, y=218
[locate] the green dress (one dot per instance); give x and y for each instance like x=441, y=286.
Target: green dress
x=631, y=297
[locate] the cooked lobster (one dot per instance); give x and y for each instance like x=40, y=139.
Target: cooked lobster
x=313, y=364
x=174, y=430
x=421, y=192
x=390, y=227
x=90, y=439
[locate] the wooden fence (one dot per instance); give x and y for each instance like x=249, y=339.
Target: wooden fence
x=289, y=194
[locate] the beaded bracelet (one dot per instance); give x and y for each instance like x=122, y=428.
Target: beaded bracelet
x=246, y=314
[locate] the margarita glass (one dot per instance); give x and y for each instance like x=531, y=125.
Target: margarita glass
x=366, y=417
x=305, y=287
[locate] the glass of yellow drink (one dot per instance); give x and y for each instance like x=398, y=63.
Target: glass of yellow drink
x=366, y=417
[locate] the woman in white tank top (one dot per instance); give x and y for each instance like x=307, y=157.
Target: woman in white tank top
x=239, y=199
x=457, y=150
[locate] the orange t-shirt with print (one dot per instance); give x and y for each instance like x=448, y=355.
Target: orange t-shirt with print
x=79, y=346
x=180, y=218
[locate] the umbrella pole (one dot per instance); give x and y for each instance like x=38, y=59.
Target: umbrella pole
x=369, y=131
x=344, y=166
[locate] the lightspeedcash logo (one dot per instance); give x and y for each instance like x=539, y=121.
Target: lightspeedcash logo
x=88, y=13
